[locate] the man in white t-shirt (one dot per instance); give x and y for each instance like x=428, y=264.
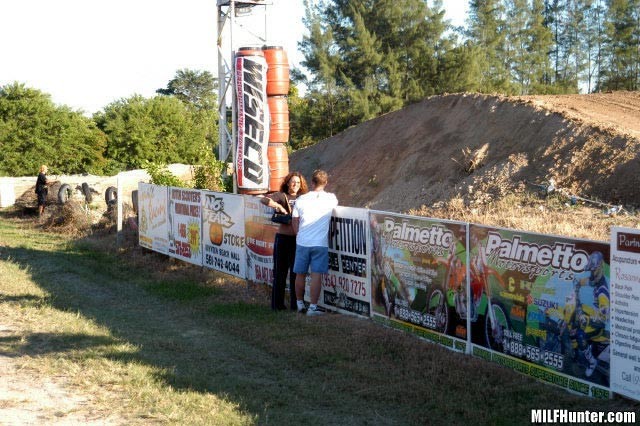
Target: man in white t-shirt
x=311, y=219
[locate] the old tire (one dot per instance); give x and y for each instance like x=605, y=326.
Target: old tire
x=502, y=318
x=111, y=195
x=438, y=307
x=88, y=196
x=64, y=193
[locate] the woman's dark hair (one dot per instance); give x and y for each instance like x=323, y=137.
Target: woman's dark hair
x=303, y=183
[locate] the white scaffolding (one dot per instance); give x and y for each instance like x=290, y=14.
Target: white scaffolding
x=238, y=25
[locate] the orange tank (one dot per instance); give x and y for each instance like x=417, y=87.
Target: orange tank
x=278, y=165
x=277, y=70
x=279, y=119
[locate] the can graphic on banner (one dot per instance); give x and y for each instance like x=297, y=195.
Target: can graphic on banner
x=252, y=167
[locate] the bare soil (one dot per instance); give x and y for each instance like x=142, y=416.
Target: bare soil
x=30, y=398
x=421, y=155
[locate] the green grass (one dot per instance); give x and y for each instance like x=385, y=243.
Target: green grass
x=182, y=290
x=155, y=345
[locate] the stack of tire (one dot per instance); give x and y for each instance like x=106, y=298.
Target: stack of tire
x=65, y=192
x=111, y=197
x=277, y=91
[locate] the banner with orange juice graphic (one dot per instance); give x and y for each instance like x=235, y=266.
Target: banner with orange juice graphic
x=185, y=224
x=152, y=217
x=260, y=233
x=223, y=233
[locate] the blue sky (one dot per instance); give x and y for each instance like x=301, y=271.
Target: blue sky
x=88, y=53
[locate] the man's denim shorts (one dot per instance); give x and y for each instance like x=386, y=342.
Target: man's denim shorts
x=316, y=257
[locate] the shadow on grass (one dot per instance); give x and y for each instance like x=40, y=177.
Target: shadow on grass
x=24, y=299
x=35, y=344
x=202, y=350
x=280, y=367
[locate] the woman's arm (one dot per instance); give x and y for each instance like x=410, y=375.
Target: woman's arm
x=267, y=201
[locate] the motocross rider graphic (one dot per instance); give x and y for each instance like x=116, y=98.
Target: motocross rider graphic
x=589, y=322
x=600, y=285
x=580, y=328
x=380, y=270
x=383, y=272
x=454, y=280
x=480, y=273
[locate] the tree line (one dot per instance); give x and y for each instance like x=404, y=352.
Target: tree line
x=369, y=57
x=179, y=125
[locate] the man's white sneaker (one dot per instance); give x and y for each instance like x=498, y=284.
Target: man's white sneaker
x=313, y=312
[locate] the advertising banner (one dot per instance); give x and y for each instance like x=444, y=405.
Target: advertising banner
x=223, y=233
x=252, y=164
x=540, y=305
x=625, y=311
x=260, y=234
x=418, y=276
x=347, y=286
x=153, y=220
x=185, y=224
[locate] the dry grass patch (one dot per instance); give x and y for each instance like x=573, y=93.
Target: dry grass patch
x=552, y=215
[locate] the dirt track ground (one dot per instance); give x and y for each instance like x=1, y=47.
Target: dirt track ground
x=415, y=157
x=620, y=110
x=27, y=398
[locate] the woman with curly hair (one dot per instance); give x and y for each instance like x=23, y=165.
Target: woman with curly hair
x=284, y=249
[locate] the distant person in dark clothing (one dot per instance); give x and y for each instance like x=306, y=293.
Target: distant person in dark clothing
x=42, y=189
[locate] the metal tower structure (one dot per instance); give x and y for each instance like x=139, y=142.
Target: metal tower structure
x=232, y=31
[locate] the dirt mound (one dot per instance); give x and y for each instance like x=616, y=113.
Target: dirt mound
x=29, y=200
x=71, y=218
x=427, y=152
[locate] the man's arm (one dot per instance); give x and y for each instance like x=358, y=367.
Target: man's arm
x=295, y=222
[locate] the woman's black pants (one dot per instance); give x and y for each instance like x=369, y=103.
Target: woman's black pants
x=284, y=253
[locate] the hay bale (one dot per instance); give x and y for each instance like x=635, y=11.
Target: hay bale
x=70, y=218
x=29, y=200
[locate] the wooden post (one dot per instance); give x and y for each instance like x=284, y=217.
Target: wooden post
x=119, y=215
